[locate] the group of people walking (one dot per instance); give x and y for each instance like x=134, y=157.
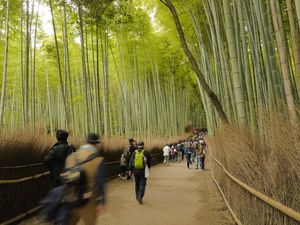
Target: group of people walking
x=173, y=153
x=79, y=175
x=194, y=149
x=135, y=160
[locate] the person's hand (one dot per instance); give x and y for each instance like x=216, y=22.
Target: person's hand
x=129, y=173
x=101, y=209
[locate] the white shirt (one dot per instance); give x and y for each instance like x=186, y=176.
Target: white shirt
x=166, y=150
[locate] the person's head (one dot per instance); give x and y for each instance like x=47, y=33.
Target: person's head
x=62, y=135
x=93, y=139
x=141, y=145
x=131, y=140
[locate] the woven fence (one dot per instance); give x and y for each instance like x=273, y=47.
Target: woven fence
x=23, y=187
x=247, y=205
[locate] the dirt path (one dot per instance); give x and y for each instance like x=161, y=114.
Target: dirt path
x=174, y=196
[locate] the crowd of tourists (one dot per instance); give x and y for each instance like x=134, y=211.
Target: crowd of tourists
x=79, y=175
x=194, y=150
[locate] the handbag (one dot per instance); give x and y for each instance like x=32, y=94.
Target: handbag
x=146, y=171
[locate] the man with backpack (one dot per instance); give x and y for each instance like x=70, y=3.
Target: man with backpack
x=89, y=187
x=131, y=147
x=139, y=162
x=55, y=159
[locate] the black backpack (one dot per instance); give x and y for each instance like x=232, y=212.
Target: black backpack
x=76, y=192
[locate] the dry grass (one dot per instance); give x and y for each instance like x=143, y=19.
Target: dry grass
x=26, y=147
x=268, y=162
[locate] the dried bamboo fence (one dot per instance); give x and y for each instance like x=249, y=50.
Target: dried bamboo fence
x=272, y=211
x=22, y=187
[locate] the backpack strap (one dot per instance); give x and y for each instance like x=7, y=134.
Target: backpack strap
x=90, y=158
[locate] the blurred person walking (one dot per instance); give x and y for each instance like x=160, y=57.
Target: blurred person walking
x=92, y=190
x=198, y=159
x=202, y=154
x=188, y=154
x=82, y=195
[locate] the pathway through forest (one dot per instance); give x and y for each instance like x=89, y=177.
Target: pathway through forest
x=174, y=196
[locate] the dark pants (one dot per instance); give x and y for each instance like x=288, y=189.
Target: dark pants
x=188, y=160
x=202, y=162
x=128, y=174
x=140, y=183
x=123, y=170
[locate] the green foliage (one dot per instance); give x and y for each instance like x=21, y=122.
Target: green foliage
x=142, y=58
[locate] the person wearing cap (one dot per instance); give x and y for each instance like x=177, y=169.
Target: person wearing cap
x=131, y=147
x=138, y=162
x=55, y=159
x=94, y=170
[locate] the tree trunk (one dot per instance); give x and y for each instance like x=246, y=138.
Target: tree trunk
x=22, y=65
x=26, y=86
x=86, y=106
x=59, y=68
x=205, y=86
x=283, y=62
x=297, y=4
x=5, y=64
x=247, y=71
x=68, y=69
x=98, y=85
x=236, y=74
x=295, y=42
x=33, y=72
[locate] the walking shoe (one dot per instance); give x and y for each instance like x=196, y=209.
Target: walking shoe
x=140, y=201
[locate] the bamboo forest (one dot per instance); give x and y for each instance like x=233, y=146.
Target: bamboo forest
x=224, y=74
